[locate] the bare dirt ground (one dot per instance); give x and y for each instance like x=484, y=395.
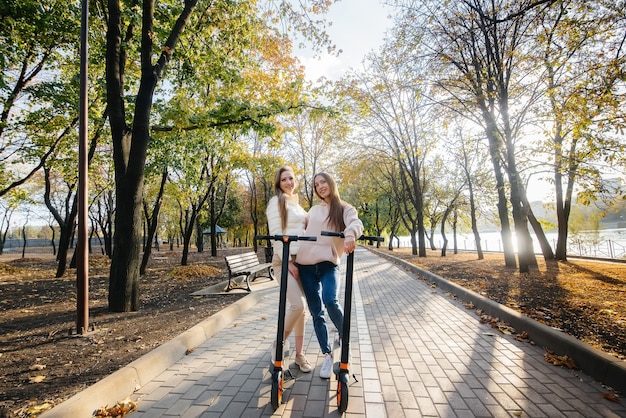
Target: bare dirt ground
x=43, y=361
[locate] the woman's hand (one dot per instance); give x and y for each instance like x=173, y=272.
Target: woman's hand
x=348, y=245
x=293, y=269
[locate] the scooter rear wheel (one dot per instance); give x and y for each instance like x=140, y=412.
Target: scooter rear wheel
x=277, y=389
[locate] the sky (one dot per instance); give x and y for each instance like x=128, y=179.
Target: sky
x=358, y=27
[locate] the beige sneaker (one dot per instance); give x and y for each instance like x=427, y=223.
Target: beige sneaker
x=303, y=363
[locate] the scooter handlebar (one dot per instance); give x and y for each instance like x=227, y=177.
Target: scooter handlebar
x=372, y=238
x=362, y=237
x=284, y=238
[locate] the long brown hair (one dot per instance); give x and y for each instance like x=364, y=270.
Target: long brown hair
x=335, y=204
x=282, y=201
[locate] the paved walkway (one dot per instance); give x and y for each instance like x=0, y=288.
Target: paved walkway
x=417, y=352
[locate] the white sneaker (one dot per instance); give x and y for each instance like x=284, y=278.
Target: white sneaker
x=327, y=366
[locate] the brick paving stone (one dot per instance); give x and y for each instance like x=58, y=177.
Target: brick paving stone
x=477, y=408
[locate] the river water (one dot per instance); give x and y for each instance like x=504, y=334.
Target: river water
x=604, y=243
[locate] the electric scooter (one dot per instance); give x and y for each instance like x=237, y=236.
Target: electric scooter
x=277, y=371
x=341, y=369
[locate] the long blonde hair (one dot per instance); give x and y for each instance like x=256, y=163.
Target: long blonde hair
x=335, y=204
x=282, y=200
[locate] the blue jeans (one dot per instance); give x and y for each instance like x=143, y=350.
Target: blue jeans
x=319, y=283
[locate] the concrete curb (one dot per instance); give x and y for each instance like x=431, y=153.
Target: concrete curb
x=601, y=366
x=261, y=283
x=124, y=382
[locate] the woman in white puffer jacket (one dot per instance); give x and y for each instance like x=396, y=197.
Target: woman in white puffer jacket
x=286, y=217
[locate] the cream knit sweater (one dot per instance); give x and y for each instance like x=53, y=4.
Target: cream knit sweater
x=327, y=248
x=296, y=218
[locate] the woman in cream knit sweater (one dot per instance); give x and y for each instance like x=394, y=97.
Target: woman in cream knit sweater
x=286, y=217
x=318, y=261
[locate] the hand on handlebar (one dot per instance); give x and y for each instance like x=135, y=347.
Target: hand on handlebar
x=348, y=245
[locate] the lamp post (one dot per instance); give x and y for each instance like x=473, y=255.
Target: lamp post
x=82, y=257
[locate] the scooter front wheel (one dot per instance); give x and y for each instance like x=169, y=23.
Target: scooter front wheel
x=277, y=389
x=342, y=393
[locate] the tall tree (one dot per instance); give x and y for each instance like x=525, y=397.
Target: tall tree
x=582, y=103
x=224, y=39
x=390, y=102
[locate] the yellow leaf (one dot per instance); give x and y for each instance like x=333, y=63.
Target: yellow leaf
x=38, y=409
x=37, y=379
x=120, y=409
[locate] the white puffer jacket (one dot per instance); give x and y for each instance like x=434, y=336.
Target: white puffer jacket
x=296, y=221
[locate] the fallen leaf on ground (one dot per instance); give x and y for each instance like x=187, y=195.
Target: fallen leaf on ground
x=119, y=410
x=38, y=409
x=611, y=397
x=566, y=361
x=523, y=337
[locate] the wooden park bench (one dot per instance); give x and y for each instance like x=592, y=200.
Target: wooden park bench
x=243, y=268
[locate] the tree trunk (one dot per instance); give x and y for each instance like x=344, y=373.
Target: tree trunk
x=503, y=212
x=525, y=252
x=472, y=204
x=66, y=226
x=546, y=249
x=153, y=224
x=455, y=222
x=444, y=246
x=431, y=237
x=563, y=208
x=524, y=243
x=392, y=234
x=125, y=263
x=199, y=236
x=24, y=241
x=64, y=244
x=52, y=241
x=413, y=243
x=107, y=234
x=190, y=225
